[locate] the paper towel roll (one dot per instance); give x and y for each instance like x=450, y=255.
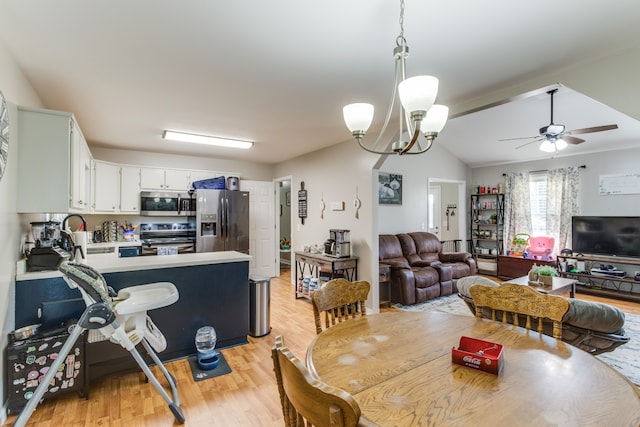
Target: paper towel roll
x=80, y=238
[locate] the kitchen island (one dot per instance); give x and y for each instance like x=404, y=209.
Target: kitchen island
x=213, y=287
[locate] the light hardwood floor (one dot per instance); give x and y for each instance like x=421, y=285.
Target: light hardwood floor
x=246, y=397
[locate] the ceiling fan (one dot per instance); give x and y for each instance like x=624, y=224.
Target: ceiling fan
x=554, y=137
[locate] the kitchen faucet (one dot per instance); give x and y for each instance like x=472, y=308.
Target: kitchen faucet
x=67, y=241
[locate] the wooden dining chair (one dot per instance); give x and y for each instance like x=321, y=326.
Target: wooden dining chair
x=339, y=300
x=516, y=301
x=309, y=402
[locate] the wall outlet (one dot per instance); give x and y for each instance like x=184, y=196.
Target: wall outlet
x=337, y=206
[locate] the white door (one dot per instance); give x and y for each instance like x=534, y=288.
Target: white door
x=262, y=244
x=435, y=224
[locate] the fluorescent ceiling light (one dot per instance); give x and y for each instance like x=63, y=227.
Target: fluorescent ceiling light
x=204, y=139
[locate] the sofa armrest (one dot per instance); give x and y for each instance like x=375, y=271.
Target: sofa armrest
x=445, y=272
x=454, y=256
x=403, y=286
x=426, y=263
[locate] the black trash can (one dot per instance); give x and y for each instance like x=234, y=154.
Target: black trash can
x=259, y=305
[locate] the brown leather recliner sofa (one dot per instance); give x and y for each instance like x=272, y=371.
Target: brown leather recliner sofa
x=420, y=271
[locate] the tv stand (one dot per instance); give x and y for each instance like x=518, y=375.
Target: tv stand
x=625, y=288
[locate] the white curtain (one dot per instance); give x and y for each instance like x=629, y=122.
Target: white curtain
x=562, y=203
x=517, y=206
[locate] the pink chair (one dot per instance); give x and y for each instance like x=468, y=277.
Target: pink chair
x=541, y=247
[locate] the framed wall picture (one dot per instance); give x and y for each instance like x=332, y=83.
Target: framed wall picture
x=389, y=189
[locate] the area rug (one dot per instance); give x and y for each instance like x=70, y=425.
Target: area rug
x=624, y=358
x=199, y=374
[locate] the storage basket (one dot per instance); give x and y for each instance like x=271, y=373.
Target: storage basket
x=217, y=183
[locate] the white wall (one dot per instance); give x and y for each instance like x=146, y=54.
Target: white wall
x=335, y=174
x=416, y=171
x=17, y=91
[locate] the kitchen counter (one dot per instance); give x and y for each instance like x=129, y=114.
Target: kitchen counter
x=109, y=263
x=213, y=288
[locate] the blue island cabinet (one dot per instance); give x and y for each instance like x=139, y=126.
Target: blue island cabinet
x=211, y=294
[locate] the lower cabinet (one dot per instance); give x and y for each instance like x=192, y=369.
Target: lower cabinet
x=210, y=295
x=513, y=267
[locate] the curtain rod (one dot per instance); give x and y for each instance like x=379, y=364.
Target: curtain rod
x=547, y=170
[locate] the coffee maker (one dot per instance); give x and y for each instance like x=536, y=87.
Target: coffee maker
x=338, y=245
x=47, y=253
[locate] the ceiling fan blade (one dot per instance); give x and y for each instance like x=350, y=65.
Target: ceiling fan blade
x=591, y=130
x=527, y=143
x=572, y=139
x=524, y=137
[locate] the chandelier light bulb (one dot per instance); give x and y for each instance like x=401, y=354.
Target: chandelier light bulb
x=358, y=117
x=418, y=93
x=436, y=118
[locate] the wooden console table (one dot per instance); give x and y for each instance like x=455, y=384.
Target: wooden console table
x=311, y=264
x=510, y=267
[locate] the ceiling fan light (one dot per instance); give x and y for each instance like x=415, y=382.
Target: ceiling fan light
x=358, y=116
x=436, y=118
x=561, y=144
x=548, y=146
x=418, y=93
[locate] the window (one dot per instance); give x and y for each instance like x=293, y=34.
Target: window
x=538, y=201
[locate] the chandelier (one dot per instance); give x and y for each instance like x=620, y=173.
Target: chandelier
x=417, y=110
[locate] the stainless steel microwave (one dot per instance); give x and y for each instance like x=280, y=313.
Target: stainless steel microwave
x=167, y=203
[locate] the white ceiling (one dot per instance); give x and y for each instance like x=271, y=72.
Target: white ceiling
x=279, y=72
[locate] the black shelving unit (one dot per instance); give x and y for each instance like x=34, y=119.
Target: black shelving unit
x=487, y=230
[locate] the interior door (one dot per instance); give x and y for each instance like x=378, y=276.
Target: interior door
x=435, y=202
x=262, y=221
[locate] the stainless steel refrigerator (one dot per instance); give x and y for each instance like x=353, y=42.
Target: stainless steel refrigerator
x=222, y=221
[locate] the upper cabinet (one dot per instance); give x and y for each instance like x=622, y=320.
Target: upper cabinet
x=54, y=163
x=115, y=188
x=130, y=189
x=106, y=187
x=164, y=179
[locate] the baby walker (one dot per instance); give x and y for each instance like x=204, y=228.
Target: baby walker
x=123, y=319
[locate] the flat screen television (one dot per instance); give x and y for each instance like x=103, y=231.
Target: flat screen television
x=606, y=235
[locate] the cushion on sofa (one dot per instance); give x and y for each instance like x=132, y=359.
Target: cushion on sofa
x=594, y=316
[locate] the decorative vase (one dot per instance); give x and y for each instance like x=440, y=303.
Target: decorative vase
x=546, y=280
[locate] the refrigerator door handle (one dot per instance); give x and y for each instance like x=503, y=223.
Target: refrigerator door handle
x=226, y=220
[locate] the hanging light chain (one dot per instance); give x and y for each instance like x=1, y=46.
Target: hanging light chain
x=401, y=18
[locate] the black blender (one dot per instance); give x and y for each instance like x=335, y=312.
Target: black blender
x=47, y=253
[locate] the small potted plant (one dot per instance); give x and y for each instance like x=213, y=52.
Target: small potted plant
x=546, y=273
x=493, y=219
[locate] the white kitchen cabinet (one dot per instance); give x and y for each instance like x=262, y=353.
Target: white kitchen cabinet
x=115, y=188
x=164, y=179
x=129, y=189
x=176, y=179
x=106, y=187
x=54, y=163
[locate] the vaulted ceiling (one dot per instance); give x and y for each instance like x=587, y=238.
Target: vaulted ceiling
x=279, y=72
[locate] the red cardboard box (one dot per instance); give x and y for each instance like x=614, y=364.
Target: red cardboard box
x=478, y=354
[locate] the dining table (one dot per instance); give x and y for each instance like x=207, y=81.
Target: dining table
x=398, y=367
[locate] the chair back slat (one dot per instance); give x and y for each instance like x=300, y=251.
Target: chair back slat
x=513, y=301
x=340, y=300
